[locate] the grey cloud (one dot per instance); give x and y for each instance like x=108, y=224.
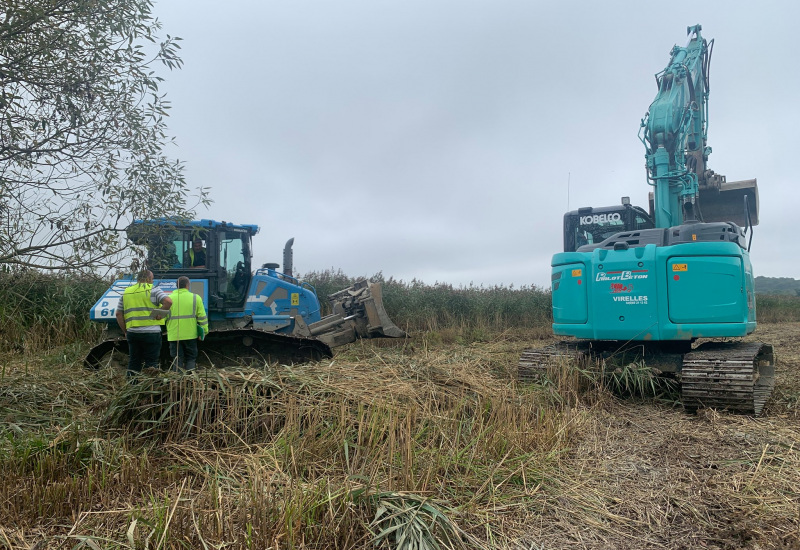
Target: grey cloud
x=434, y=140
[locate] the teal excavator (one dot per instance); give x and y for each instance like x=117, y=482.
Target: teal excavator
x=671, y=284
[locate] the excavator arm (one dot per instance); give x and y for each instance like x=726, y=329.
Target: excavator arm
x=674, y=132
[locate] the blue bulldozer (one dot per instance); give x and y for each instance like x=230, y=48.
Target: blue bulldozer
x=263, y=315
x=671, y=284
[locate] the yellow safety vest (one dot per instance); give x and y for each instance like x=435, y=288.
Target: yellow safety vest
x=191, y=256
x=185, y=315
x=137, y=306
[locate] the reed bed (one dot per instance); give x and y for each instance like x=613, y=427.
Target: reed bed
x=424, y=443
x=418, y=306
x=777, y=308
x=39, y=311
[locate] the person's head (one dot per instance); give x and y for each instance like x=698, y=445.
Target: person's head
x=183, y=282
x=145, y=276
x=197, y=245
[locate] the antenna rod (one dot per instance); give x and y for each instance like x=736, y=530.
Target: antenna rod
x=569, y=174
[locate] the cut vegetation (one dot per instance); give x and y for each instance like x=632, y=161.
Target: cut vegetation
x=424, y=443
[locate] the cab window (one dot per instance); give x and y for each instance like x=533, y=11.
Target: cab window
x=193, y=251
x=172, y=249
x=597, y=232
x=234, y=258
x=643, y=223
x=162, y=253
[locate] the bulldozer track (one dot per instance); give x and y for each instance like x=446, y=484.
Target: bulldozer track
x=738, y=377
x=534, y=362
x=263, y=347
x=222, y=347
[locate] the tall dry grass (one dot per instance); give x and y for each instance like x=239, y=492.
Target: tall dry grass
x=432, y=307
x=381, y=442
x=777, y=309
x=434, y=442
x=41, y=310
x=440, y=306
x=428, y=441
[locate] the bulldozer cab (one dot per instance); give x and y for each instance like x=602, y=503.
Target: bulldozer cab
x=220, y=253
x=594, y=225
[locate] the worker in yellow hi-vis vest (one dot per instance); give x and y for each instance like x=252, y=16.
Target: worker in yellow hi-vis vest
x=140, y=319
x=195, y=256
x=187, y=323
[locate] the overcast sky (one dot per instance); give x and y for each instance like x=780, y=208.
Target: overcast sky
x=443, y=140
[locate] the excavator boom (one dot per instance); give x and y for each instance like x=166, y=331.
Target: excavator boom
x=675, y=135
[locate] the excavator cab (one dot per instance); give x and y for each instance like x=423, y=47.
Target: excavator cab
x=587, y=226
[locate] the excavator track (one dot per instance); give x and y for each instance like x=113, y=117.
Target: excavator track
x=221, y=347
x=738, y=377
x=534, y=362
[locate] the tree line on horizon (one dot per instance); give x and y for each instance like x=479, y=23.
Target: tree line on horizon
x=784, y=286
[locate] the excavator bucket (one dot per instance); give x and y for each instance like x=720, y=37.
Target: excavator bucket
x=358, y=312
x=728, y=203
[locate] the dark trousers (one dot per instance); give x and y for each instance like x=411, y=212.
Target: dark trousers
x=185, y=351
x=143, y=347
